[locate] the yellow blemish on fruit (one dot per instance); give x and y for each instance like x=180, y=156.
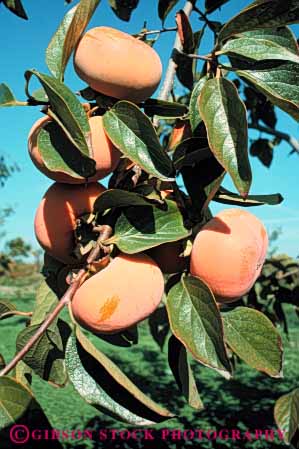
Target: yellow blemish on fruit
x=108, y=308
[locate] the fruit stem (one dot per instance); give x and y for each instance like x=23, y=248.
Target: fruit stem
x=105, y=233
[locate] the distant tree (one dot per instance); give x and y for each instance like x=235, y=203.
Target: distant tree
x=17, y=249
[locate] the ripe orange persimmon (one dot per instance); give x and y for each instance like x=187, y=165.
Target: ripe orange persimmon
x=55, y=219
x=169, y=257
x=228, y=253
x=117, y=64
x=127, y=291
x=105, y=153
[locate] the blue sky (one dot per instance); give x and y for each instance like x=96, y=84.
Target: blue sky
x=22, y=47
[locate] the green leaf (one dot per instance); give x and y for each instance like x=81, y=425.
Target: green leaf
x=164, y=8
x=16, y=7
x=202, y=180
x=184, y=69
x=226, y=197
x=5, y=307
x=15, y=399
x=7, y=98
x=281, y=36
x=257, y=49
x=224, y=115
x=263, y=150
x=119, y=198
x=212, y=5
x=195, y=321
x=67, y=36
x=46, y=301
x=261, y=14
x=46, y=357
x=2, y=362
x=60, y=155
x=141, y=228
x=159, y=326
x=166, y=109
x=123, y=8
x=286, y=414
x=23, y=374
x=133, y=134
x=190, y=151
x=181, y=369
x=104, y=386
x=253, y=337
x=68, y=112
x=195, y=118
x=279, y=81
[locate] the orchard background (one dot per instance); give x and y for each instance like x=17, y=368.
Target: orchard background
x=276, y=292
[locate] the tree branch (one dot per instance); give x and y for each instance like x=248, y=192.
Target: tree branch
x=294, y=143
x=163, y=30
x=171, y=69
x=65, y=300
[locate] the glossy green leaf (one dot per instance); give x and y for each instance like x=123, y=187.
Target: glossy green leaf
x=164, y=8
x=6, y=307
x=182, y=371
x=166, y=109
x=133, y=133
x=257, y=49
x=141, y=228
x=46, y=357
x=190, y=152
x=212, y=5
x=282, y=36
x=7, y=98
x=60, y=155
x=67, y=36
x=286, y=414
x=253, y=337
x=67, y=111
x=15, y=399
x=279, y=81
x=123, y=8
x=16, y=7
x=226, y=197
x=118, y=198
x=262, y=14
x=195, y=118
x=224, y=115
x=104, y=386
x=195, y=321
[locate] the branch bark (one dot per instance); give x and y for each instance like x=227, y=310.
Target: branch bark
x=294, y=143
x=65, y=300
x=171, y=69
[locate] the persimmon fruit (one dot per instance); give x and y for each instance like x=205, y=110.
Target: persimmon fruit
x=117, y=64
x=124, y=293
x=105, y=154
x=55, y=219
x=228, y=253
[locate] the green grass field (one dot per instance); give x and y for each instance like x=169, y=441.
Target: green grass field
x=246, y=402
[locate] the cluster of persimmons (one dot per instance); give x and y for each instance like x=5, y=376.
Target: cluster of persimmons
x=227, y=253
